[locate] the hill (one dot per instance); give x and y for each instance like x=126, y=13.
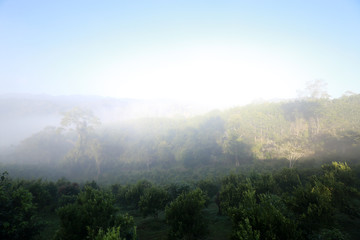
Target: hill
x=308, y=131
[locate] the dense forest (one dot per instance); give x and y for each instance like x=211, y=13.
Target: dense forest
x=270, y=170
x=291, y=203
x=308, y=131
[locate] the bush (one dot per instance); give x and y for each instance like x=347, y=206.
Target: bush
x=92, y=211
x=17, y=211
x=185, y=216
x=153, y=201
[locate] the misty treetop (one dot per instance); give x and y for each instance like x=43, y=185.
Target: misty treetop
x=311, y=127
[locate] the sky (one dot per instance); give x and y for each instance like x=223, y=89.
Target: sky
x=224, y=53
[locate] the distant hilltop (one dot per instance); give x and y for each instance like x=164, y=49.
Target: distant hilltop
x=24, y=114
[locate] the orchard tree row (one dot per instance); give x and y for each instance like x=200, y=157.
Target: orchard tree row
x=291, y=203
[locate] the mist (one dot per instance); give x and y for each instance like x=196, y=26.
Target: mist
x=154, y=120
x=23, y=115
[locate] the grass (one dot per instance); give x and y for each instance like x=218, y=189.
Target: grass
x=219, y=226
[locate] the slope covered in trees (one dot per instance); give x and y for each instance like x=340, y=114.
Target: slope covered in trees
x=305, y=131
x=280, y=170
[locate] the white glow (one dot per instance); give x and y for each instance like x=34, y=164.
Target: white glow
x=214, y=75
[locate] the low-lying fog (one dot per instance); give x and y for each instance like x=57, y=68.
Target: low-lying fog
x=22, y=115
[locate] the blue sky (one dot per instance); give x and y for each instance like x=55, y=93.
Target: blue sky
x=218, y=52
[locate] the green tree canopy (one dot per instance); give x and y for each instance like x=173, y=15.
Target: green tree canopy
x=185, y=217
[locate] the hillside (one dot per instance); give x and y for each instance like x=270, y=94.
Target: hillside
x=287, y=133
x=22, y=115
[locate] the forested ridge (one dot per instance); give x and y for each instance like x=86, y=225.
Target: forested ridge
x=272, y=170
x=308, y=131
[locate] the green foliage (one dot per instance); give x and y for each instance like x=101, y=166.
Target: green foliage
x=257, y=139
x=237, y=149
x=254, y=215
x=176, y=189
x=321, y=203
x=87, y=149
x=119, y=193
x=231, y=191
x=298, y=130
x=185, y=217
x=312, y=205
x=152, y=201
x=134, y=193
x=67, y=192
x=266, y=219
x=112, y=233
x=44, y=193
x=287, y=179
x=18, y=218
x=246, y=232
x=208, y=186
x=94, y=210
x=340, y=178
x=263, y=183
x=329, y=234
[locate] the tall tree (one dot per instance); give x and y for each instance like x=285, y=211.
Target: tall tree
x=236, y=148
x=315, y=89
x=87, y=147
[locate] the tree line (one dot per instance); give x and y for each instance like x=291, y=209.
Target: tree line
x=290, y=203
x=290, y=132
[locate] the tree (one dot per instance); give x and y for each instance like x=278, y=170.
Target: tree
x=236, y=148
x=210, y=187
x=340, y=179
x=17, y=211
x=312, y=205
x=185, y=217
x=86, y=147
x=231, y=191
x=44, y=193
x=294, y=148
x=153, y=200
x=112, y=233
x=315, y=89
x=255, y=216
x=80, y=120
x=176, y=189
x=45, y=147
x=134, y=193
x=92, y=211
x=265, y=219
x=287, y=179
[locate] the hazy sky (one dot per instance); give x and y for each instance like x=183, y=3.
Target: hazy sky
x=225, y=52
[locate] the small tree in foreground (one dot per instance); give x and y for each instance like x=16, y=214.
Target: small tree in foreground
x=185, y=217
x=153, y=201
x=93, y=210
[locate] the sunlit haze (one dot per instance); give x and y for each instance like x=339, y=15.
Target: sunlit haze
x=220, y=53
